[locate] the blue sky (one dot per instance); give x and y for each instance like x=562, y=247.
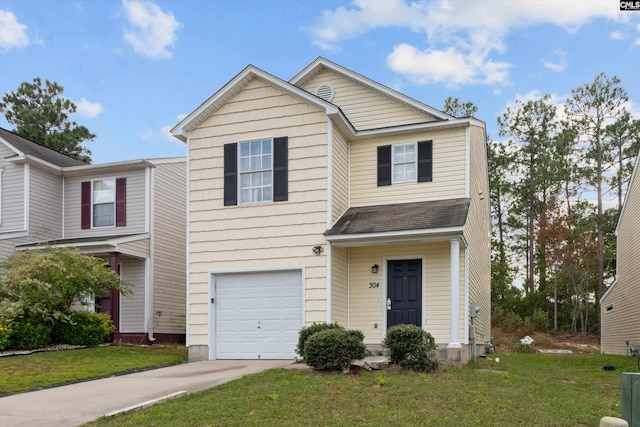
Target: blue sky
x=134, y=68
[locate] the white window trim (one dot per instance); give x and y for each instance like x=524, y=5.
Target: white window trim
x=239, y=185
x=393, y=164
x=114, y=203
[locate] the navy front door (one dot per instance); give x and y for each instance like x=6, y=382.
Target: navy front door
x=404, y=292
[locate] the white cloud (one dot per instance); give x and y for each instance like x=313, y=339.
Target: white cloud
x=153, y=31
x=558, y=62
x=164, y=132
x=617, y=35
x=459, y=32
x=13, y=33
x=88, y=109
x=451, y=66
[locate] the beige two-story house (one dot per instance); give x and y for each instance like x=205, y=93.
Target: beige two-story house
x=332, y=198
x=131, y=213
x=619, y=306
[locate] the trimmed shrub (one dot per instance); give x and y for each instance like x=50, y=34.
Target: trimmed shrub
x=334, y=348
x=84, y=328
x=411, y=347
x=28, y=333
x=5, y=335
x=306, y=332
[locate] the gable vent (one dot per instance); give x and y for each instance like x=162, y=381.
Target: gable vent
x=325, y=91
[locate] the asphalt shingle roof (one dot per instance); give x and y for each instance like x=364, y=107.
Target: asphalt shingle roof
x=40, y=151
x=402, y=217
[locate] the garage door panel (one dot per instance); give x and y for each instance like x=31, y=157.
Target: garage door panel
x=258, y=315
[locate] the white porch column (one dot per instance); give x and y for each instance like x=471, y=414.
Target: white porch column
x=454, y=309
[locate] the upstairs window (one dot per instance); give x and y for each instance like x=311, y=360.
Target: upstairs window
x=256, y=171
x=104, y=203
x=405, y=163
x=256, y=184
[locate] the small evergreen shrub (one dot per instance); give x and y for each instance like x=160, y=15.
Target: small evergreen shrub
x=28, y=333
x=84, y=328
x=5, y=335
x=411, y=347
x=306, y=332
x=334, y=348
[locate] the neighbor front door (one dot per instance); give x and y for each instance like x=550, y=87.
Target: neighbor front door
x=404, y=292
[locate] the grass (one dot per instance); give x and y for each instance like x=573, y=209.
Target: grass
x=521, y=390
x=46, y=369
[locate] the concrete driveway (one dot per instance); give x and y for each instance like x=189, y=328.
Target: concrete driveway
x=76, y=404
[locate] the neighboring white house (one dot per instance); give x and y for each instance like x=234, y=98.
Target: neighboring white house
x=131, y=213
x=620, y=305
x=326, y=198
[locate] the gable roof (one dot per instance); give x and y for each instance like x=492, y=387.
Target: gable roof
x=235, y=85
x=321, y=63
x=26, y=148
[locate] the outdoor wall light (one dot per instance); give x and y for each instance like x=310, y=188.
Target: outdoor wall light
x=374, y=268
x=317, y=250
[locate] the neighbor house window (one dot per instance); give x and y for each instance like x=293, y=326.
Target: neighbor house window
x=256, y=171
x=404, y=163
x=103, y=202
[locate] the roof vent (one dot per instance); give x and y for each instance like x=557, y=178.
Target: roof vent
x=325, y=91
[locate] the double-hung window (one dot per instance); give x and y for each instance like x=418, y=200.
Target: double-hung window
x=255, y=170
x=103, y=202
x=404, y=163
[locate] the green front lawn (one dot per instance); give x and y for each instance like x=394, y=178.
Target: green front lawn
x=520, y=390
x=46, y=369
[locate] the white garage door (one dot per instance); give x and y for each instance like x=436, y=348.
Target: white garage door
x=258, y=315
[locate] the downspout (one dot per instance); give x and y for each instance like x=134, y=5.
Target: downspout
x=150, y=264
x=329, y=211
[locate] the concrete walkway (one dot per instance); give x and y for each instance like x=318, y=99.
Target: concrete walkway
x=76, y=404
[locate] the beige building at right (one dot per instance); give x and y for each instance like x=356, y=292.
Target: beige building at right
x=620, y=305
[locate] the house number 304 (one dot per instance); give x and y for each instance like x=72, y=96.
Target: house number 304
x=373, y=285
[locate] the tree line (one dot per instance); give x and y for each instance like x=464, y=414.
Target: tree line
x=558, y=176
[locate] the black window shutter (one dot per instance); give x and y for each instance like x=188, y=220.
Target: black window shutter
x=384, y=165
x=231, y=174
x=425, y=161
x=280, y=169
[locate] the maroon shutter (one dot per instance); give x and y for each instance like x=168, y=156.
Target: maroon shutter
x=121, y=202
x=85, y=205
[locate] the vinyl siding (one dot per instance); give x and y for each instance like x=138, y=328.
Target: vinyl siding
x=13, y=177
x=136, y=209
x=137, y=248
x=269, y=235
x=367, y=306
x=449, y=170
x=340, y=182
x=45, y=206
x=364, y=107
x=339, y=286
x=477, y=234
x=621, y=323
x=169, y=260
x=132, y=271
